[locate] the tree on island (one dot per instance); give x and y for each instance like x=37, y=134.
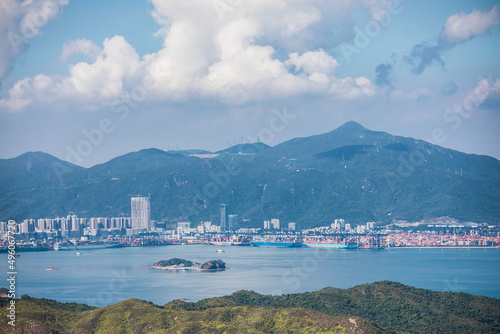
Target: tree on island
x=175, y=262
x=213, y=265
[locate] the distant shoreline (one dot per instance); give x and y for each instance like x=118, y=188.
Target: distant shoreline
x=454, y=247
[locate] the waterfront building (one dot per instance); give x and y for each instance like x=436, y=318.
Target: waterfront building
x=275, y=223
x=233, y=222
x=339, y=224
x=141, y=213
x=224, y=213
x=184, y=225
x=120, y=222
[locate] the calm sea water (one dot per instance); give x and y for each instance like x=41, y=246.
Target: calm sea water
x=106, y=276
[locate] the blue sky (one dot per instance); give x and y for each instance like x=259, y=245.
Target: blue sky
x=103, y=78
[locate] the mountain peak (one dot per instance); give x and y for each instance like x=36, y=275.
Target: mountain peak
x=352, y=126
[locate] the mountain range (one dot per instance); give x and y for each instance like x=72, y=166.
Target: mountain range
x=352, y=173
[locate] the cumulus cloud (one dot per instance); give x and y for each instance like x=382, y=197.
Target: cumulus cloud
x=462, y=27
x=21, y=21
x=492, y=101
x=459, y=28
x=80, y=46
x=484, y=96
x=209, y=51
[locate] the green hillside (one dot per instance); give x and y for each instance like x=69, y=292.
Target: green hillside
x=136, y=316
x=382, y=307
x=351, y=173
x=401, y=308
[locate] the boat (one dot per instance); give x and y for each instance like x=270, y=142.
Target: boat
x=71, y=246
x=26, y=248
x=50, y=268
x=220, y=243
x=275, y=244
x=78, y=253
x=242, y=242
x=220, y=251
x=329, y=245
x=230, y=242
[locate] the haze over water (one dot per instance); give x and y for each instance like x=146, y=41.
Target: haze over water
x=106, y=276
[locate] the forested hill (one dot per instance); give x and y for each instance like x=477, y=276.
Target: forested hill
x=352, y=173
x=382, y=307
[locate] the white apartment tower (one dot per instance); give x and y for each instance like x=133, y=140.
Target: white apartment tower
x=140, y=212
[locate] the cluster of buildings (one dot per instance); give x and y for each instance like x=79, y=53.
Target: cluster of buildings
x=73, y=226
x=274, y=224
x=340, y=226
x=139, y=222
x=471, y=239
x=228, y=222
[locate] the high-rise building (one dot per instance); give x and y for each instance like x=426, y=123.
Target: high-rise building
x=339, y=224
x=275, y=223
x=185, y=225
x=292, y=226
x=120, y=222
x=233, y=222
x=224, y=213
x=141, y=212
x=267, y=225
x=73, y=222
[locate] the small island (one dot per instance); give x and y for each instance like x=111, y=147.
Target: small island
x=181, y=264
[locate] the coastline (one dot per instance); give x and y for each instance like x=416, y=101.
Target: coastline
x=444, y=247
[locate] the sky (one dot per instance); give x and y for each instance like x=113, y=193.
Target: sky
x=89, y=80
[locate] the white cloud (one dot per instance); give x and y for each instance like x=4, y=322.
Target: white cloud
x=104, y=79
x=459, y=28
x=296, y=21
x=313, y=62
x=83, y=46
x=21, y=21
x=208, y=52
x=463, y=27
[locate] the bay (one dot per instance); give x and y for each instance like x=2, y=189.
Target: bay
x=107, y=276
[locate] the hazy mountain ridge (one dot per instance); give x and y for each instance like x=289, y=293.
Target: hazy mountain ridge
x=350, y=173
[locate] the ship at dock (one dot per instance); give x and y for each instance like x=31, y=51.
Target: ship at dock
x=275, y=244
x=329, y=245
x=329, y=242
x=230, y=242
x=85, y=246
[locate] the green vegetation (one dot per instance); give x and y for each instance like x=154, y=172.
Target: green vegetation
x=358, y=174
x=382, y=307
x=136, y=316
x=175, y=262
x=181, y=263
x=213, y=265
x=392, y=305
